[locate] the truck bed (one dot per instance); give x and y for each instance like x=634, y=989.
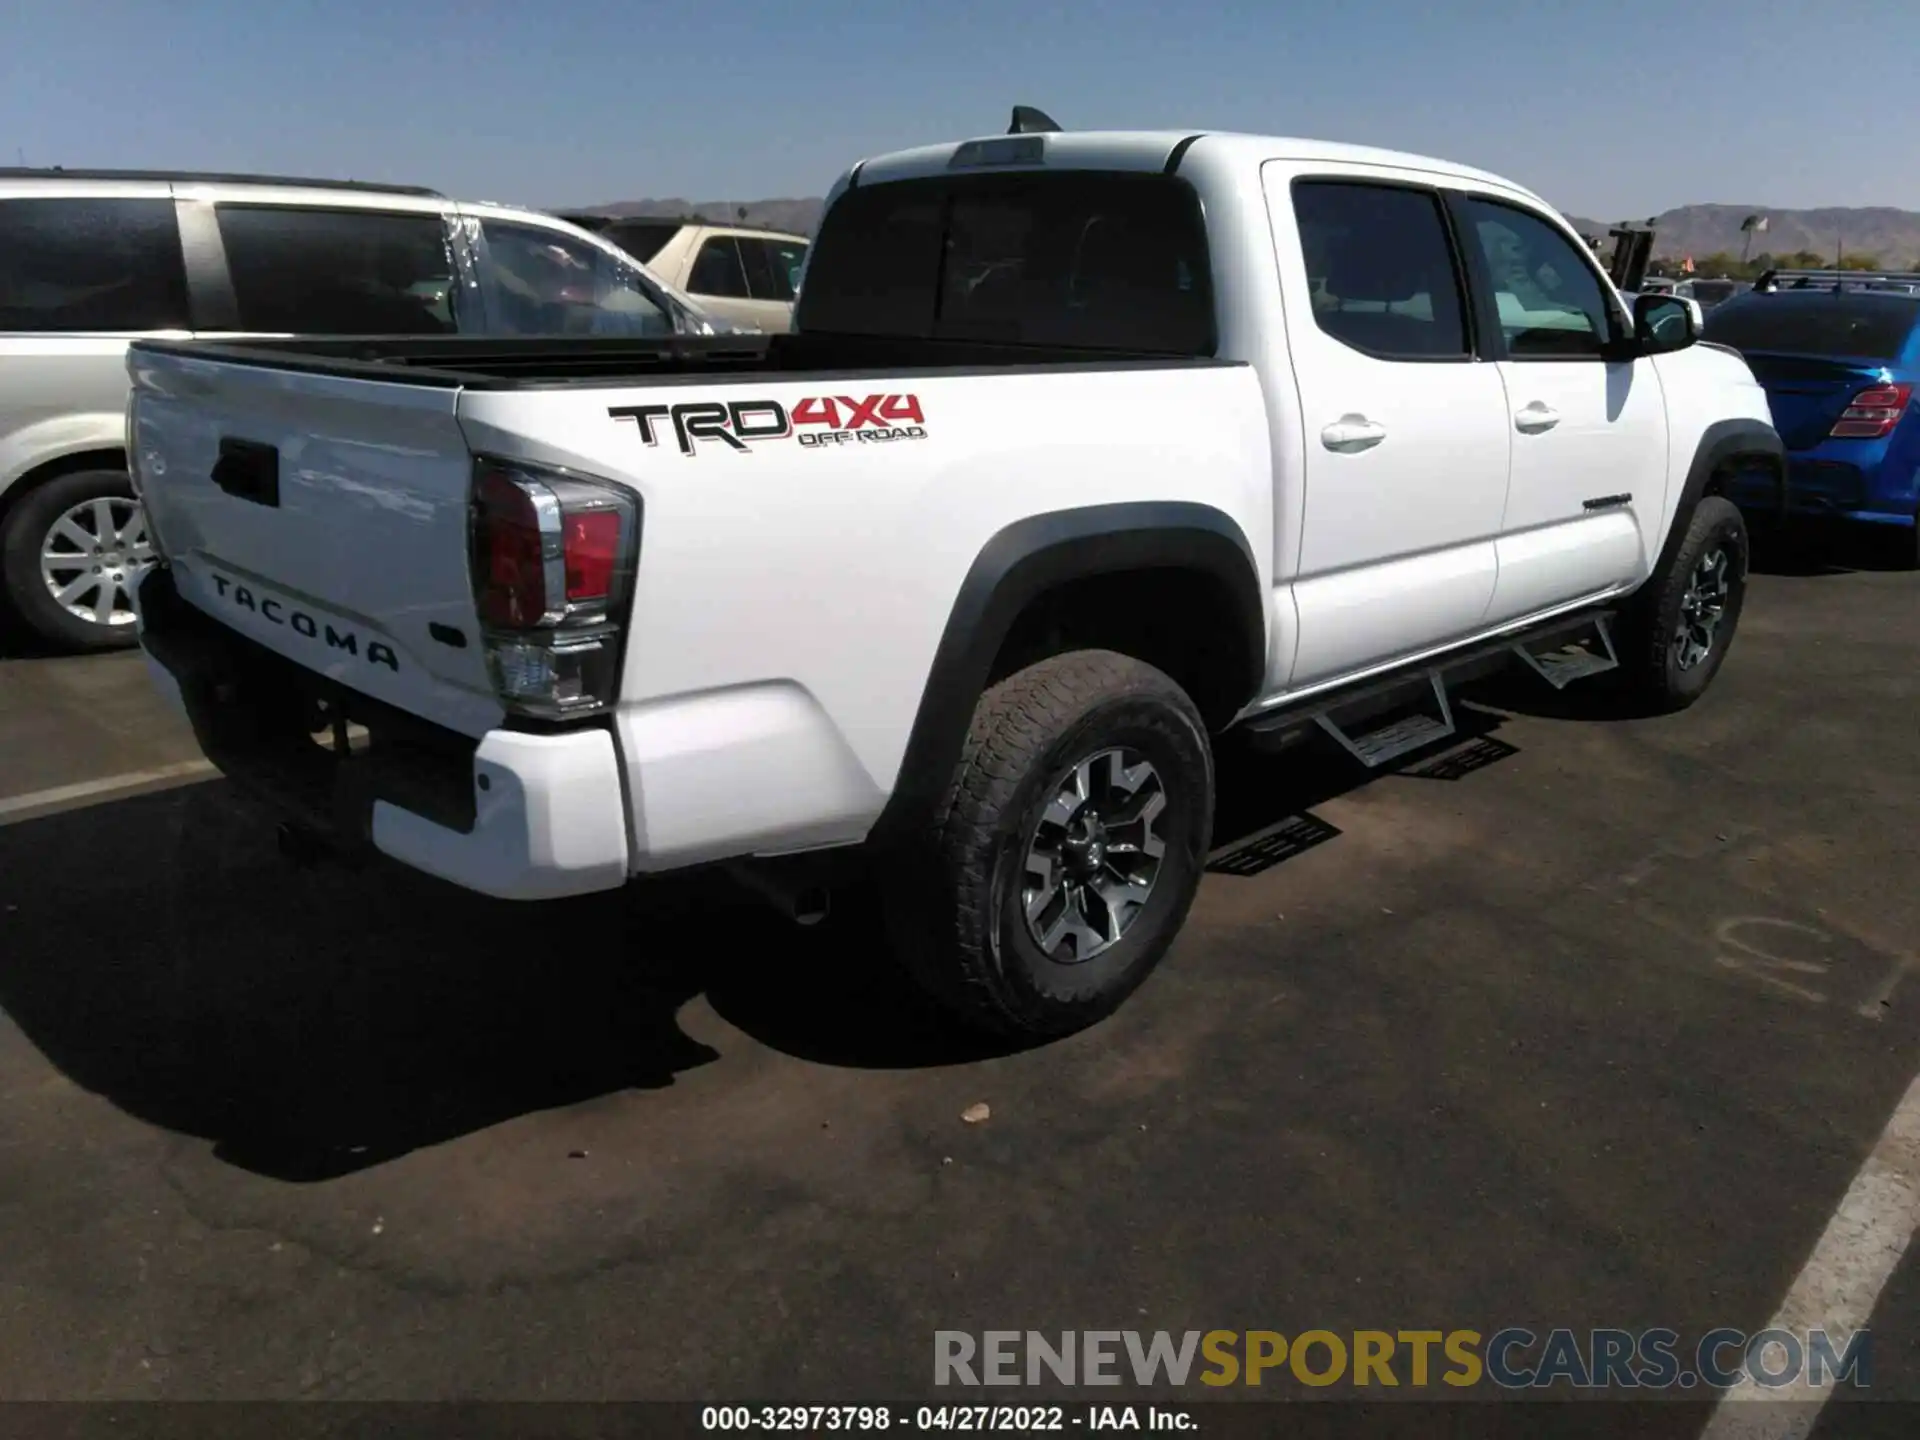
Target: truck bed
x=478, y=362
x=781, y=601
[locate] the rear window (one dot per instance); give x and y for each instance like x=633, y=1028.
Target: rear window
x=91, y=265
x=1866, y=327
x=773, y=267
x=717, y=270
x=1090, y=260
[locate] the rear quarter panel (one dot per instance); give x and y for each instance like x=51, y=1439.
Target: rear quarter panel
x=60, y=395
x=831, y=569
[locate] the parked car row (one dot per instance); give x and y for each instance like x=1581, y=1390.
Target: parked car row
x=91, y=260
x=747, y=275
x=1839, y=355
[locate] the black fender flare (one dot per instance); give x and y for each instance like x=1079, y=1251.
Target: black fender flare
x=1025, y=560
x=1723, y=442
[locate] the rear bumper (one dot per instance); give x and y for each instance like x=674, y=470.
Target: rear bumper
x=515, y=815
x=1817, y=486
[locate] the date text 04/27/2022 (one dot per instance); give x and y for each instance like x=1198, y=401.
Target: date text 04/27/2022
x=1004, y=1419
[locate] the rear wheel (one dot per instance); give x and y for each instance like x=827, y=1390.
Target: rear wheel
x=1068, y=850
x=1678, y=631
x=72, y=551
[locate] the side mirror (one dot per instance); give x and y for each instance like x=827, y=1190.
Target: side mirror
x=1663, y=323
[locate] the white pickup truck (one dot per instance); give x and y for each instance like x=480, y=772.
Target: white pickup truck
x=1086, y=447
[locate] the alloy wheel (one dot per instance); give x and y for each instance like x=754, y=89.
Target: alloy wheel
x=92, y=557
x=1094, y=856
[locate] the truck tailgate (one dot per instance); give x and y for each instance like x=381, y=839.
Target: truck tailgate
x=322, y=516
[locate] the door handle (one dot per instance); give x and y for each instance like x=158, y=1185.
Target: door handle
x=1351, y=433
x=1535, y=418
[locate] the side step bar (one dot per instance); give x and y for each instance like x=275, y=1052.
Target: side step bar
x=1402, y=736
x=1559, y=652
x=1573, y=659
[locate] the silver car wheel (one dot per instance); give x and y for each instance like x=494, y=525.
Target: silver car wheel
x=93, y=555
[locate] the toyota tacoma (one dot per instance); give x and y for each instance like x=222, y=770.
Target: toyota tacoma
x=1085, y=448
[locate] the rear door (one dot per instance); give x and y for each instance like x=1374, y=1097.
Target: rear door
x=277, y=263
x=1406, y=442
x=1589, y=433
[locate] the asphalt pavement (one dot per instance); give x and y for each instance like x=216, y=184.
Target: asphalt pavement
x=1586, y=1022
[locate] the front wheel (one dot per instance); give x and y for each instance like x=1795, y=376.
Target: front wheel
x=1067, y=851
x=1676, y=635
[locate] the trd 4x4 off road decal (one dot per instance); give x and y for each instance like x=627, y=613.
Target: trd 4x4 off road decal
x=817, y=421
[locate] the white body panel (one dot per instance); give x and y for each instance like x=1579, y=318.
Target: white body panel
x=779, y=555
x=790, y=599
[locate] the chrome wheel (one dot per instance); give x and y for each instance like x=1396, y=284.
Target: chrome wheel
x=1094, y=856
x=1702, y=607
x=93, y=555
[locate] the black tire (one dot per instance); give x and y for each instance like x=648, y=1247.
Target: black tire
x=29, y=527
x=955, y=900
x=1659, y=672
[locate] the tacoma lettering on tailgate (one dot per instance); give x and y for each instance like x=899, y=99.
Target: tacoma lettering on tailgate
x=818, y=420
x=283, y=612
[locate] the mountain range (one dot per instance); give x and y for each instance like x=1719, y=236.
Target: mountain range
x=797, y=217
x=1890, y=236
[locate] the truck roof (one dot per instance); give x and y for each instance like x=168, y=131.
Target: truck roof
x=1149, y=150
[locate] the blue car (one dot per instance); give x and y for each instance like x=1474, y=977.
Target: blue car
x=1839, y=358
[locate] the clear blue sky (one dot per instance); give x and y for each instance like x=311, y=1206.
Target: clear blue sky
x=1611, y=111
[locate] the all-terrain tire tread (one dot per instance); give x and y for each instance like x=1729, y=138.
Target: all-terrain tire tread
x=1012, y=726
x=1644, y=641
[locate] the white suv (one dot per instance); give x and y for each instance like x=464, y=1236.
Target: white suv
x=92, y=259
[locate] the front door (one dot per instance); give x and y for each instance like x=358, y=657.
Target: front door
x=1406, y=437
x=1589, y=432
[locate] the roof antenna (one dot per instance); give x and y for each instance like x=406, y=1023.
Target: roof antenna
x=1029, y=121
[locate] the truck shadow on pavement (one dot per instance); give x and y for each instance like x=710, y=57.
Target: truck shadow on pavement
x=160, y=953
x=312, y=1023
x=1813, y=548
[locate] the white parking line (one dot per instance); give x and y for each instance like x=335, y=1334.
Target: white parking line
x=65, y=797
x=1836, y=1289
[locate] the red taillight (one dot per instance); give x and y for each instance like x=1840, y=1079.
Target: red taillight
x=592, y=554
x=509, y=553
x=553, y=560
x=1872, y=414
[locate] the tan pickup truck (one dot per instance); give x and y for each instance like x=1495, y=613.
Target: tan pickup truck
x=738, y=272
